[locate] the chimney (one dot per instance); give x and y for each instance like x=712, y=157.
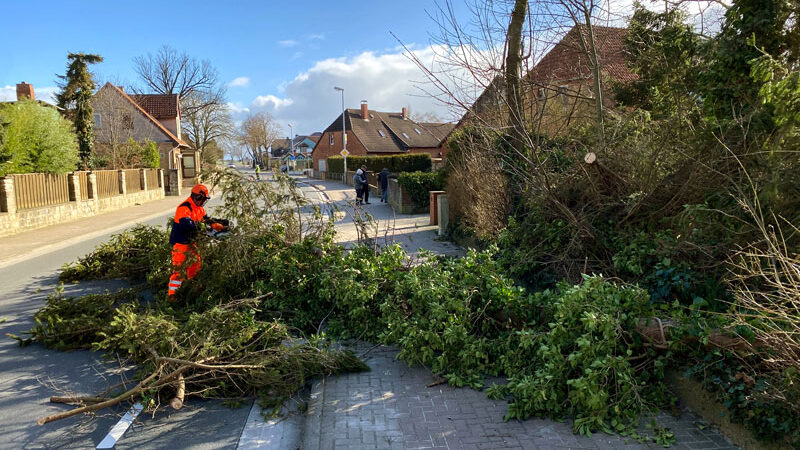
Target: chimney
x=25, y=90
x=364, y=110
x=405, y=113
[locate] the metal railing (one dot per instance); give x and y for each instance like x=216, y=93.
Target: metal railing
x=35, y=190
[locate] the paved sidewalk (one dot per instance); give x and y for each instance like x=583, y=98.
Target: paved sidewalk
x=412, y=231
x=392, y=407
x=21, y=246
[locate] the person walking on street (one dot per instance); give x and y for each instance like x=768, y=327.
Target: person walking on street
x=383, y=183
x=185, y=227
x=258, y=172
x=365, y=184
x=359, y=186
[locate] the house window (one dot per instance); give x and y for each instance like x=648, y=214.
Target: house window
x=405, y=135
x=418, y=132
x=127, y=122
x=381, y=133
x=97, y=121
x=540, y=93
x=330, y=139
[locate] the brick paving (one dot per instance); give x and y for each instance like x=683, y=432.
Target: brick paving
x=392, y=407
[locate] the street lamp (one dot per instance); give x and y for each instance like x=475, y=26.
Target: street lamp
x=291, y=146
x=344, y=134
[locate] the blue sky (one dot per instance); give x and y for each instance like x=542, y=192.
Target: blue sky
x=285, y=50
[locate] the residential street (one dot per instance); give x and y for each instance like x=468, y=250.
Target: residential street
x=390, y=407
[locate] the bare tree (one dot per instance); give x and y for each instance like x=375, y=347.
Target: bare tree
x=171, y=72
x=257, y=133
x=207, y=120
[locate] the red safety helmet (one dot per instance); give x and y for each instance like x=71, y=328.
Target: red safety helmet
x=201, y=190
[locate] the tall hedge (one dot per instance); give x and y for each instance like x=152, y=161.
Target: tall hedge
x=414, y=162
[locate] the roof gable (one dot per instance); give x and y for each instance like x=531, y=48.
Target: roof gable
x=567, y=62
x=167, y=133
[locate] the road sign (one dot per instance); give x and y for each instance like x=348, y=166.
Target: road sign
x=292, y=157
x=344, y=152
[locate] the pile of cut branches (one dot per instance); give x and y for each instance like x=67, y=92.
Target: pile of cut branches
x=222, y=352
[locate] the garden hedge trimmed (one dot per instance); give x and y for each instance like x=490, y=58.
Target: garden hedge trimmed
x=414, y=162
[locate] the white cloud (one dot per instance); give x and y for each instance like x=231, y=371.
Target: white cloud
x=237, y=109
x=288, y=43
x=316, y=37
x=271, y=102
x=239, y=82
x=47, y=93
x=388, y=81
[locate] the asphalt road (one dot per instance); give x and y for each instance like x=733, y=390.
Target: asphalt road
x=30, y=375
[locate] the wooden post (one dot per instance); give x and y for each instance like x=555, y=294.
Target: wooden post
x=434, y=206
x=8, y=203
x=143, y=179
x=123, y=185
x=161, y=178
x=74, y=183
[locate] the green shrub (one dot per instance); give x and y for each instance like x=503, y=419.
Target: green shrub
x=35, y=138
x=417, y=184
x=413, y=162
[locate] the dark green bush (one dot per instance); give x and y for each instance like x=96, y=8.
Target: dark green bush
x=418, y=184
x=413, y=162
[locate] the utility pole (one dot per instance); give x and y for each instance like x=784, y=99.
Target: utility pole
x=344, y=135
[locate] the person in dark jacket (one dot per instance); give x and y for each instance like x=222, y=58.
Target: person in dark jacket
x=185, y=227
x=383, y=182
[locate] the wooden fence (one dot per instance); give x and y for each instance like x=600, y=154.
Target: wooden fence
x=151, y=177
x=35, y=190
x=83, y=182
x=133, y=180
x=107, y=183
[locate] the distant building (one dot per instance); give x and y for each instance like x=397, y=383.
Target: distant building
x=302, y=145
x=558, y=92
x=372, y=132
x=120, y=117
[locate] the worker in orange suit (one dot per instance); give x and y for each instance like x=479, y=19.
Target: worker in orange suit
x=185, y=227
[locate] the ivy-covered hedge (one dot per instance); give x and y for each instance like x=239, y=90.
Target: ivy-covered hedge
x=417, y=184
x=413, y=162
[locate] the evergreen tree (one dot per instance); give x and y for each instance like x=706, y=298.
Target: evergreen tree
x=77, y=89
x=726, y=85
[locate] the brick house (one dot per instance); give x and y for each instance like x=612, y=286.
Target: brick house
x=150, y=117
x=372, y=132
x=558, y=90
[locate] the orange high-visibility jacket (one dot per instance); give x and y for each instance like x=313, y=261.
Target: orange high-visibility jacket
x=187, y=220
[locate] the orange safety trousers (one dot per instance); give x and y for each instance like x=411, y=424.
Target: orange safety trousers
x=180, y=252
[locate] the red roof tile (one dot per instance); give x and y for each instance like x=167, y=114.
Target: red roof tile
x=160, y=106
x=566, y=61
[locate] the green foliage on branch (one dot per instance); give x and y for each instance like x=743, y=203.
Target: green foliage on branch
x=35, y=138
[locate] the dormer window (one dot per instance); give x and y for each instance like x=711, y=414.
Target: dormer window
x=381, y=133
x=418, y=132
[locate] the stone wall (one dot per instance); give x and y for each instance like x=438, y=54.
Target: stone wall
x=400, y=200
x=14, y=221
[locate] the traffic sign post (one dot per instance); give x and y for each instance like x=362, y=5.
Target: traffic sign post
x=344, y=154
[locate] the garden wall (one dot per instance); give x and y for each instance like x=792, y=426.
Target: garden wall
x=14, y=219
